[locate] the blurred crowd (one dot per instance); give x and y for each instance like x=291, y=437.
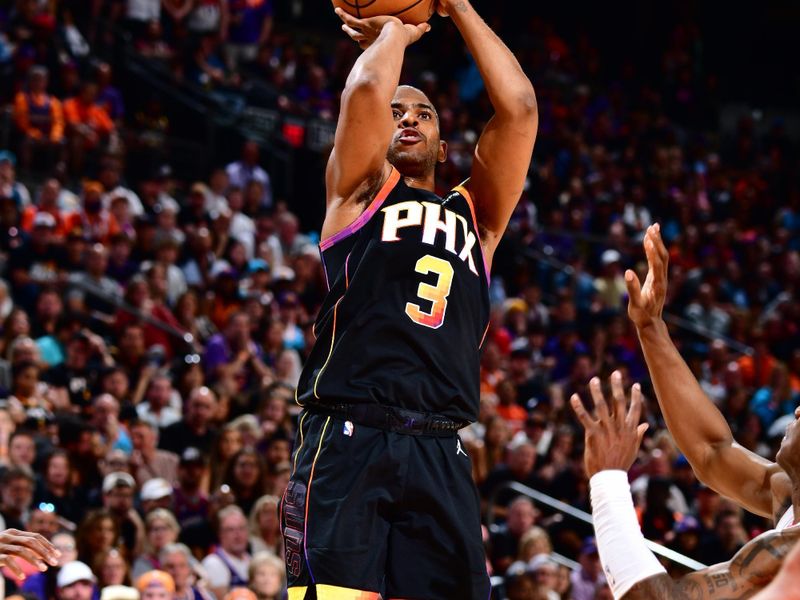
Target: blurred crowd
x=153, y=329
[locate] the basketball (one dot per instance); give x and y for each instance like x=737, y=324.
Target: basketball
x=413, y=12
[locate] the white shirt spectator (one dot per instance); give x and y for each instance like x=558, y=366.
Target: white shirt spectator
x=240, y=174
x=144, y=10
x=243, y=228
x=164, y=418
x=219, y=575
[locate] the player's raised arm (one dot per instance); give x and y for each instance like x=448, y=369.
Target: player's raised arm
x=612, y=438
x=504, y=149
x=365, y=125
x=699, y=429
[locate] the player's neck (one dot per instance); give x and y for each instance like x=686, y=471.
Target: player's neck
x=424, y=183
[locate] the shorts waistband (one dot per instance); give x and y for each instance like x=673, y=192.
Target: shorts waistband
x=389, y=418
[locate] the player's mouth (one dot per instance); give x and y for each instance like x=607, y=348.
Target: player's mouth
x=409, y=136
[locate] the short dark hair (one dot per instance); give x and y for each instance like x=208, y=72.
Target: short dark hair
x=15, y=473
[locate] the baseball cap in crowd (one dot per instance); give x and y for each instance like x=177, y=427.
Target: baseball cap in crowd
x=256, y=265
x=541, y=561
x=240, y=593
x=73, y=572
x=610, y=257
x=153, y=579
x=155, y=489
x=118, y=479
x=521, y=348
x=44, y=219
x=119, y=592
x=8, y=156
x=192, y=455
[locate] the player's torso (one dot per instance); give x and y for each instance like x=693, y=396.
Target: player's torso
x=407, y=308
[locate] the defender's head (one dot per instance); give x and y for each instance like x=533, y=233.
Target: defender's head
x=788, y=456
x=415, y=148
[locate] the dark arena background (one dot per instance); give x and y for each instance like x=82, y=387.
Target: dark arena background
x=161, y=198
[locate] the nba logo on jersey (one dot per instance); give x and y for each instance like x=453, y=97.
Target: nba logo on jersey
x=348, y=428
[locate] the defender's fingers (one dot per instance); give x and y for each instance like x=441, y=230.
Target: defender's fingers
x=635, y=410
x=41, y=546
x=600, y=406
x=8, y=561
x=580, y=411
x=618, y=394
x=640, y=433
x=634, y=287
x=28, y=555
x=660, y=246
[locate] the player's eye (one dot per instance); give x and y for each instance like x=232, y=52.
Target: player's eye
x=397, y=114
x=425, y=115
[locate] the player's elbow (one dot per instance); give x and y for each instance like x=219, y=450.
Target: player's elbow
x=366, y=85
x=521, y=105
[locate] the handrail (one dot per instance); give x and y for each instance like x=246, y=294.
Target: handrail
x=580, y=515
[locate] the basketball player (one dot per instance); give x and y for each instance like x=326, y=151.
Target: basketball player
x=632, y=571
x=381, y=498
x=769, y=489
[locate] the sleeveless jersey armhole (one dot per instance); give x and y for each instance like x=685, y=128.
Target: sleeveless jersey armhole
x=462, y=189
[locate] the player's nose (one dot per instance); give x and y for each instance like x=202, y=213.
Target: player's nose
x=408, y=120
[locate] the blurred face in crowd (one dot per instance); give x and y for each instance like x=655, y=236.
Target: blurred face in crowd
x=115, y=460
x=246, y=470
x=132, y=342
x=17, y=495
x=202, y=407
x=144, y=438
x=58, y=471
x=44, y=522
x=65, y=544
x=160, y=392
x=116, y=383
x=49, y=305
x=106, y=411
x=102, y=536
x=230, y=443
x=80, y=590
x=521, y=516
x=233, y=534
x=156, y=592
x=113, y=569
x=160, y=533
x=177, y=565
x=267, y=580
x=25, y=381
x=22, y=451
x=522, y=460
x=190, y=475
x=238, y=331
x=97, y=260
x=278, y=451
x=268, y=518
x=119, y=500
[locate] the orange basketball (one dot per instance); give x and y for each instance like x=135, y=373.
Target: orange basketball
x=408, y=11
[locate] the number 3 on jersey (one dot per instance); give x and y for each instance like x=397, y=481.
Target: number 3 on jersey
x=435, y=294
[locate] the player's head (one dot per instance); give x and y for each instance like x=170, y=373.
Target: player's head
x=789, y=454
x=415, y=148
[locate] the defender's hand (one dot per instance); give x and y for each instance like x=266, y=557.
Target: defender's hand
x=366, y=31
x=613, y=438
x=646, y=302
x=31, y=547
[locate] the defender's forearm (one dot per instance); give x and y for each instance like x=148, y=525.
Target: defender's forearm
x=691, y=417
x=508, y=87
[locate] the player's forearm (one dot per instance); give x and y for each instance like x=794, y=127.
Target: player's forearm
x=378, y=68
x=510, y=91
x=680, y=395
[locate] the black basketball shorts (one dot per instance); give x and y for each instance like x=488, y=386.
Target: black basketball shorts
x=369, y=512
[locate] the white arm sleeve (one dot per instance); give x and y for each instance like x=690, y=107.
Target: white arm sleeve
x=625, y=557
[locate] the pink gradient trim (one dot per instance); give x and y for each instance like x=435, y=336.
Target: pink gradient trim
x=394, y=177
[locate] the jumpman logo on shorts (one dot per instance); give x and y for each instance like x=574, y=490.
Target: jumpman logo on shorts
x=460, y=450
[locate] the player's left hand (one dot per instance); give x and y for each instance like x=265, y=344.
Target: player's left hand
x=612, y=439
x=31, y=547
x=365, y=31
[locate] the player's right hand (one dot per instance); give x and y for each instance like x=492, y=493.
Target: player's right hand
x=612, y=439
x=31, y=547
x=646, y=302
x=366, y=31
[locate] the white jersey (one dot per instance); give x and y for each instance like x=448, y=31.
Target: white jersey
x=787, y=520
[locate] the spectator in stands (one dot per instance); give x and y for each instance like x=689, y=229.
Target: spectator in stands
x=177, y=560
x=16, y=497
x=156, y=585
x=195, y=429
x=39, y=119
x=589, y=577
x=89, y=128
x=147, y=460
x=55, y=488
x=161, y=530
x=109, y=97
x=9, y=186
x=228, y=566
x=505, y=541
x=267, y=576
x=118, y=493
x=75, y=581
x=247, y=169
x=249, y=25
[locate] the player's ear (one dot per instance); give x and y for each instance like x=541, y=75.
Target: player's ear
x=442, y=156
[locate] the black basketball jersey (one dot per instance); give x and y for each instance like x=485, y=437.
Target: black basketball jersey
x=407, y=307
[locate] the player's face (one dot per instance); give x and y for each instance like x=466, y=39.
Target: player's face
x=789, y=454
x=415, y=148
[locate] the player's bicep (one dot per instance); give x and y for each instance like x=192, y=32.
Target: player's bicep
x=362, y=139
x=499, y=170
x=741, y=475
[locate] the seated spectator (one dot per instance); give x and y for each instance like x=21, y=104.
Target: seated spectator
x=96, y=534
x=505, y=540
x=177, y=560
x=39, y=119
x=16, y=497
x=75, y=581
x=55, y=488
x=189, y=499
x=161, y=530
x=111, y=568
x=228, y=566
x=147, y=460
x=265, y=526
x=155, y=585
x=89, y=128
x=247, y=169
x=161, y=404
x=118, y=493
x=249, y=25
x=267, y=576
x=195, y=429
